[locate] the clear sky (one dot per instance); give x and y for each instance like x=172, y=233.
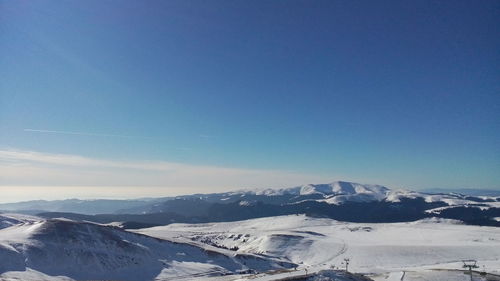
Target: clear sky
x=201, y=96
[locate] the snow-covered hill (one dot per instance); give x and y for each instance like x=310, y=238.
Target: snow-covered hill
x=36, y=249
x=273, y=248
x=377, y=249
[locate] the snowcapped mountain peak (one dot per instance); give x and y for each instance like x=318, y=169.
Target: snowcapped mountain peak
x=327, y=190
x=344, y=188
x=315, y=188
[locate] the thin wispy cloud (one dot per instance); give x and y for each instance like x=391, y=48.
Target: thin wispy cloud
x=75, y=172
x=84, y=133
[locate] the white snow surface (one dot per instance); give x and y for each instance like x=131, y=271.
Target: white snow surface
x=32, y=249
x=382, y=249
x=58, y=249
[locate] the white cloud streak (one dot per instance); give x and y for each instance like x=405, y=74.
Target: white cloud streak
x=21, y=168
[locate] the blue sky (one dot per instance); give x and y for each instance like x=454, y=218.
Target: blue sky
x=391, y=92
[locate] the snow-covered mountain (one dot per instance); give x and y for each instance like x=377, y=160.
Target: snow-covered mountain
x=334, y=188
x=254, y=231
x=88, y=251
x=339, y=200
x=341, y=192
x=337, y=192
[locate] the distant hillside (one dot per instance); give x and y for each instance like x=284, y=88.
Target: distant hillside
x=465, y=191
x=339, y=200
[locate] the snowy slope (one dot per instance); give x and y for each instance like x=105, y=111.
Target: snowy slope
x=372, y=248
x=7, y=220
x=83, y=251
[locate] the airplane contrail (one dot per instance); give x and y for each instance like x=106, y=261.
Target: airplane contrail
x=83, y=133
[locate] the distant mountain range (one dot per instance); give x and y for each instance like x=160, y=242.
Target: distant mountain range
x=338, y=200
x=97, y=206
x=465, y=191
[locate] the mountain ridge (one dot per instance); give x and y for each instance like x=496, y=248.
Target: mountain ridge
x=339, y=200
